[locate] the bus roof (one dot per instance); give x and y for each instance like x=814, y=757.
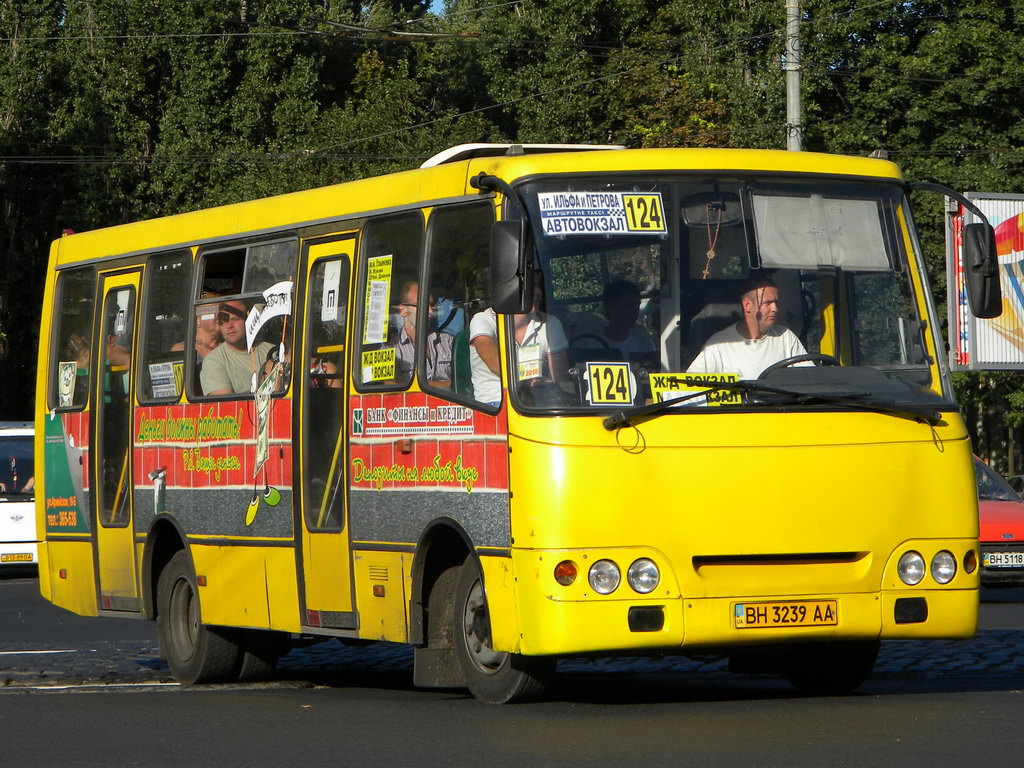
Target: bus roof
x=431, y=185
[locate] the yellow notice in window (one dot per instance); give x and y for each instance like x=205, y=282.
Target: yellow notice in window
x=670, y=386
x=378, y=364
x=378, y=299
x=179, y=376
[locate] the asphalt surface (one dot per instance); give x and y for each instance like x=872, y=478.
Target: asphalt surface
x=77, y=655
x=84, y=692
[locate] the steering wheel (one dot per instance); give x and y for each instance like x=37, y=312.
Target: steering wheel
x=596, y=337
x=812, y=357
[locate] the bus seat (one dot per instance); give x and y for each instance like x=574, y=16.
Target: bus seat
x=721, y=306
x=710, y=320
x=790, y=300
x=462, y=377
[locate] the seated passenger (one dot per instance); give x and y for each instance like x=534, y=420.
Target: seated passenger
x=622, y=308
x=208, y=335
x=439, y=345
x=228, y=369
x=755, y=342
x=323, y=374
x=540, y=349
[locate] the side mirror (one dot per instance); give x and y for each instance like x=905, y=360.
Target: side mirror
x=509, y=270
x=981, y=271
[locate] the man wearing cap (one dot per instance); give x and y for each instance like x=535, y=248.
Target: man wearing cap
x=228, y=369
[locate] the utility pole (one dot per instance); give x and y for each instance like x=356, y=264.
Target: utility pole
x=791, y=66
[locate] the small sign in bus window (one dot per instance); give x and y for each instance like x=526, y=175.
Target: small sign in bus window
x=610, y=384
x=601, y=213
x=671, y=386
x=378, y=294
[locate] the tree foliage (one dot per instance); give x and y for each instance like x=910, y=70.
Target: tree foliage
x=114, y=110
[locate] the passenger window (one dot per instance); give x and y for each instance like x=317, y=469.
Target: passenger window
x=242, y=319
x=165, y=327
x=69, y=381
x=461, y=338
x=267, y=265
x=390, y=303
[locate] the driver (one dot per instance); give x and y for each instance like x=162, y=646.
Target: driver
x=755, y=342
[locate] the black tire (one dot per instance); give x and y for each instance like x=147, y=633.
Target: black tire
x=195, y=652
x=259, y=651
x=830, y=669
x=491, y=676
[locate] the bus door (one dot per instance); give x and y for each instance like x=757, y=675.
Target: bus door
x=111, y=446
x=325, y=569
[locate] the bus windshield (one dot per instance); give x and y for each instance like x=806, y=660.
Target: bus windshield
x=653, y=289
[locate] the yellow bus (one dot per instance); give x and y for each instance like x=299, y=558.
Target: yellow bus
x=521, y=403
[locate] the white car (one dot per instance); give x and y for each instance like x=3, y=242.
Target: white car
x=19, y=540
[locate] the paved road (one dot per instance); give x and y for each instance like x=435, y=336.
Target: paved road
x=43, y=646
x=110, y=701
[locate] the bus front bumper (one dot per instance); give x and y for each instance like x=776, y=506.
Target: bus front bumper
x=602, y=625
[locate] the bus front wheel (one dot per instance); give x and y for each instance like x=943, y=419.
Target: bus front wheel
x=195, y=652
x=495, y=677
x=834, y=668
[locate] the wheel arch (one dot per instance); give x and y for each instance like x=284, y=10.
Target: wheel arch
x=443, y=543
x=164, y=540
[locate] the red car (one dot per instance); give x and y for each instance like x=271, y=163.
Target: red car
x=1001, y=515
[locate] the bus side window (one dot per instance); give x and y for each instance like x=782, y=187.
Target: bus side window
x=269, y=283
x=459, y=242
x=69, y=371
x=241, y=286
x=390, y=268
x=165, y=326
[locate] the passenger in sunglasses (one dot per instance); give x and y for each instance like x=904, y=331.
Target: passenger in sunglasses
x=228, y=369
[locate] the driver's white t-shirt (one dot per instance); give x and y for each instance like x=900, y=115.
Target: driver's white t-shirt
x=729, y=352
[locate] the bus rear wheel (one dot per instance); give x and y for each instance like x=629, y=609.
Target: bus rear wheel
x=494, y=677
x=259, y=651
x=195, y=652
x=830, y=669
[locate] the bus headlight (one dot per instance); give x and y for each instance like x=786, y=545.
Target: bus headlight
x=604, y=577
x=643, y=576
x=911, y=568
x=943, y=567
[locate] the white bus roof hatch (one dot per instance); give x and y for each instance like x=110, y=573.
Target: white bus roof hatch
x=470, y=151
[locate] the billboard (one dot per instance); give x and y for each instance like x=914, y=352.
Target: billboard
x=976, y=344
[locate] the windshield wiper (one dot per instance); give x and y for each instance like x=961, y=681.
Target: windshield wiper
x=634, y=416
x=920, y=413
